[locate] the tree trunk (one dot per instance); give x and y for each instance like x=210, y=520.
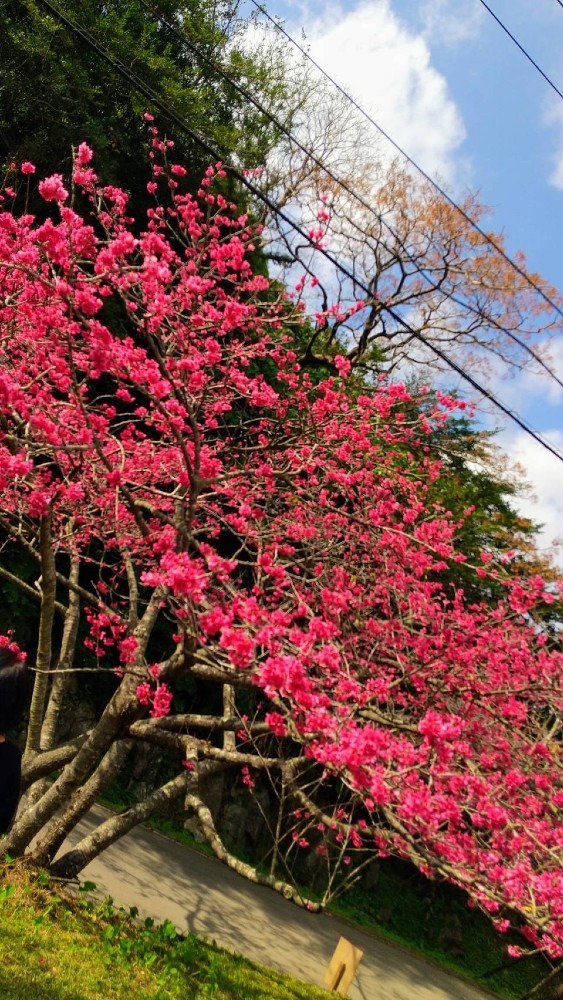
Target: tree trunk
x=44, y=646
x=229, y=710
x=66, y=659
x=54, y=835
x=115, y=827
x=122, y=709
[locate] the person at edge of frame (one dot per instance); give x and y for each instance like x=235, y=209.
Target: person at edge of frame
x=14, y=685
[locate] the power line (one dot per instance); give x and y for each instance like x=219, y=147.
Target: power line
x=173, y=116
x=216, y=67
x=484, y=392
x=409, y=159
x=169, y=112
x=522, y=49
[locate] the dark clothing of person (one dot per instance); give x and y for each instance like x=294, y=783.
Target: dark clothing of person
x=10, y=780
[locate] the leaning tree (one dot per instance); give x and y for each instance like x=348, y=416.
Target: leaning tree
x=191, y=504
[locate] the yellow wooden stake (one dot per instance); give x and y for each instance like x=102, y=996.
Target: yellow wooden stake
x=342, y=967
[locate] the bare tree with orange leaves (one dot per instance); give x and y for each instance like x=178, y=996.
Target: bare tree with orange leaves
x=426, y=276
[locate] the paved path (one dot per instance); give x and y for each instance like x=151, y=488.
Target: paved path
x=166, y=880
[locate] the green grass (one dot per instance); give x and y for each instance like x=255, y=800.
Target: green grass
x=56, y=947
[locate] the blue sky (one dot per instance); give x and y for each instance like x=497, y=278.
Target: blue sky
x=445, y=81
x=512, y=145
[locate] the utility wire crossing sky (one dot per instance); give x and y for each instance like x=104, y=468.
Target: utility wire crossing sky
x=385, y=5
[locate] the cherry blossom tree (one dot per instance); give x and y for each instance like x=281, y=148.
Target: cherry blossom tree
x=197, y=507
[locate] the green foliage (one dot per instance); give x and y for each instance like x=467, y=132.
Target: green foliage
x=55, y=91
x=469, y=480
x=475, y=476
x=56, y=947
x=18, y=612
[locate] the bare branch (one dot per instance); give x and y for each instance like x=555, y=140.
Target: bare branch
x=241, y=867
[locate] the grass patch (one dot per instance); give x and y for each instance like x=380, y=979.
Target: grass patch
x=57, y=947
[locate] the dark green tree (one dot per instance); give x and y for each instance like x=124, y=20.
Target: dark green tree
x=477, y=474
x=56, y=90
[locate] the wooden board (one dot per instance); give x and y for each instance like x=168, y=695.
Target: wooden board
x=342, y=967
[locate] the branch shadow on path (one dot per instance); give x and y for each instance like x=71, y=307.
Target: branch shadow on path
x=167, y=880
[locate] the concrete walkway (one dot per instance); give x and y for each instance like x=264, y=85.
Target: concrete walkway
x=167, y=880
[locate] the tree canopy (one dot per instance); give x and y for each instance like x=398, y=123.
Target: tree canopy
x=436, y=281
x=56, y=90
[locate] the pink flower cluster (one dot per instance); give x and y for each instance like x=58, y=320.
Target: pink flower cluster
x=159, y=698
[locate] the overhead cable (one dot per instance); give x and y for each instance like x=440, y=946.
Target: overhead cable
x=409, y=159
x=216, y=67
x=522, y=49
x=173, y=116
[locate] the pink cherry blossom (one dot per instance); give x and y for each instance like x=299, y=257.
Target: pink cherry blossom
x=52, y=188
x=283, y=533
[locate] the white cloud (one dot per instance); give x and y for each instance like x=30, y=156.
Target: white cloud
x=531, y=390
x=387, y=67
x=536, y=385
x=554, y=117
x=544, y=473
x=450, y=23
